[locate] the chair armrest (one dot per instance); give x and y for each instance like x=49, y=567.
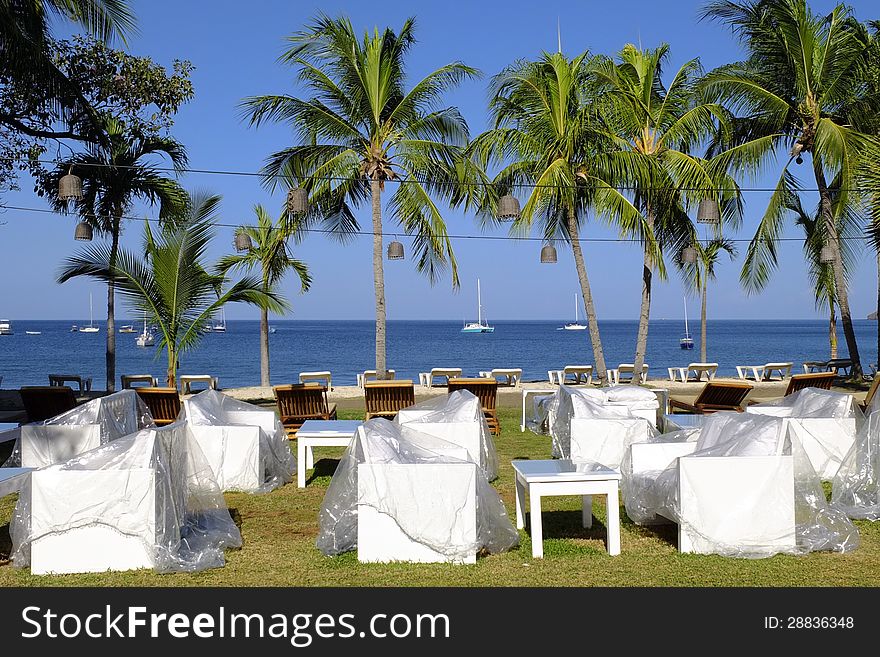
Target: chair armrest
x=674, y=403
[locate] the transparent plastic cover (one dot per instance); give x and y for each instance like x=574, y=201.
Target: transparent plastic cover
x=856, y=487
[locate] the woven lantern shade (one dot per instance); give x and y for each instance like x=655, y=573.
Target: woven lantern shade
x=297, y=201
x=689, y=255
x=243, y=242
x=508, y=208
x=70, y=186
x=395, y=251
x=548, y=254
x=83, y=232
x=826, y=255
x=709, y=212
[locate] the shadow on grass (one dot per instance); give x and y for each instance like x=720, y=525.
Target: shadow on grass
x=323, y=468
x=5, y=544
x=668, y=532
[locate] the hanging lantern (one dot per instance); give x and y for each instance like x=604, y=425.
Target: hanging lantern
x=83, y=232
x=689, y=255
x=548, y=254
x=297, y=201
x=395, y=251
x=508, y=208
x=709, y=212
x=826, y=255
x=70, y=186
x=243, y=242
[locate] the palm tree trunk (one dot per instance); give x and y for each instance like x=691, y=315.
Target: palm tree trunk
x=264, y=347
x=841, y=294
x=645, y=311
x=378, y=278
x=586, y=292
x=171, y=374
x=110, y=356
x=703, y=357
x=832, y=331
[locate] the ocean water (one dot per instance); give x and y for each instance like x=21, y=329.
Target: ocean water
x=347, y=347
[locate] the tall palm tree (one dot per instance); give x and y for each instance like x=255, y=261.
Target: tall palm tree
x=655, y=126
x=270, y=254
x=114, y=174
x=169, y=279
x=698, y=274
x=545, y=135
x=803, y=91
x=362, y=128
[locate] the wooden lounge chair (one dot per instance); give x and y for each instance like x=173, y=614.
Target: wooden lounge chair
x=821, y=380
x=43, y=402
x=386, y=398
x=164, y=403
x=299, y=402
x=715, y=396
x=486, y=390
x=872, y=393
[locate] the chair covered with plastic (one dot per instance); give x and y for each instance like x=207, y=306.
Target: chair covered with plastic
x=164, y=404
x=42, y=402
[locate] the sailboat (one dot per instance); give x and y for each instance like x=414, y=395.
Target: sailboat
x=220, y=327
x=478, y=326
x=575, y=326
x=90, y=328
x=145, y=339
x=687, y=342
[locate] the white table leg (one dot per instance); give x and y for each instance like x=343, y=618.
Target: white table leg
x=537, y=528
x=310, y=458
x=300, y=464
x=613, y=523
x=522, y=424
x=587, y=511
x=520, y=503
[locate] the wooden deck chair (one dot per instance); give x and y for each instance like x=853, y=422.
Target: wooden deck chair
x=486, y=390
x=386, y=398
x=821, y=380
x=44, y=402
x=164, y=403
x=298, y=402
x=872, y=393
x=715, y=396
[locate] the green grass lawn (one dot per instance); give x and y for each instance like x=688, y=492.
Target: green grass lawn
x=279, y=531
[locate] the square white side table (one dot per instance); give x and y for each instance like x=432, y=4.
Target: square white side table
x=320, y=433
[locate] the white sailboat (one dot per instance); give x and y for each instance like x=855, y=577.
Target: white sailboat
x=478, y=326
x=220, y=327
x=575, y=326
x=145, y=339
x=90, y=328
x=687, y=342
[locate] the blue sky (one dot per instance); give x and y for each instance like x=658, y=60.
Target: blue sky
x=234, y=49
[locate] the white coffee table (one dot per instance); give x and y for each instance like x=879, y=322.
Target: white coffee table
x=565, y=477
x=320, y=433
x=12, y=479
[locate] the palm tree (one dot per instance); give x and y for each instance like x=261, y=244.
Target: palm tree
x=654, y=127
x=270, y=253
x=362, y=128
x=170, y=281
x=545, y=134
x=698, y=274
x=802, y=89
x=114, y=174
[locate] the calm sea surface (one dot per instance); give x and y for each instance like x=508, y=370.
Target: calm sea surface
x=346, y=347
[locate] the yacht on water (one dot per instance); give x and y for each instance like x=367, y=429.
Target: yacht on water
x=90, y=328
x=5, y=327
x=128, y=328
x=687, y=342
x=479, y=326
x=220, y=327
x=145, y=339
x=575, y=325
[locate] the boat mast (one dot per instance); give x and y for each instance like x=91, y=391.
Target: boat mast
x=686, y=333
x=575, y=308
x=479, y=305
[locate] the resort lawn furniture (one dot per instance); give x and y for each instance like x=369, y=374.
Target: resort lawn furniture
x=386, y=398
x=579, y=374
x=764, y=372
x=320, y=433
x=757, y=371
x=47, y=444
x=679, y=421
x=429, y=494
x=512, y=375
x=822, y=380
x=12, y=479
x=541, y=479
x=84, y=383
x=164, y=404
x=44, y=402
x=298, y=402
x=322, y=376
x=815, y=366
x=426, y=379
x=837, y=364
x=684, y=373
x=871, y=395
x=624, y=373
x=486, y=391
x=129, y=380
x=529, y=395
x=715, y=396
x=186, y=381
x=370, y=375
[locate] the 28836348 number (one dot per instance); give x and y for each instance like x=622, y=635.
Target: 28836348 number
x=809, y=622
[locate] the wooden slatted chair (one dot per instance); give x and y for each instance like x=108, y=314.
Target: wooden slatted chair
x=821, y=380
x=298, y=402
x=715, y=396
x=44, y=402
x=386, y=398
x=872, y=393
x=163, y=403
x=486, y=390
